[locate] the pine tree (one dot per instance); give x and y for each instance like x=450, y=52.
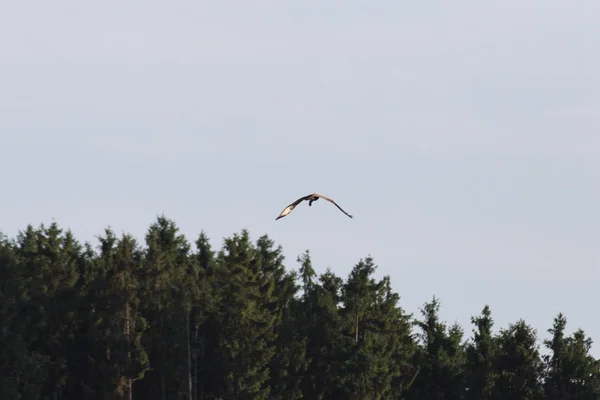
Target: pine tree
x=556, y=383
x=163, y=322
x=116, y=326
x=381, y=332
x=307, y=273
x=165, y=267
x=323, y=327
x=22, y=371
x=442, y=359
x=204, y=319
x=518, y=364
x=480, y=376
x=571, y=373
x=583, y=368
x=246, y=325
x=289, y=363
x=50, y=266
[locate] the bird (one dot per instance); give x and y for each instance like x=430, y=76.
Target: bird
x=310, y=198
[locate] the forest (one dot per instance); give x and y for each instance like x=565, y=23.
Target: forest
x=172, y=319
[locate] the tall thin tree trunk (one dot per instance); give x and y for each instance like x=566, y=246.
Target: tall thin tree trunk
x=195, y=359
x=195, y=378
x=127, y=333
x=202, y=365
x=189, y=355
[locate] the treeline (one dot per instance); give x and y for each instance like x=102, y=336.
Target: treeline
x=172, y=320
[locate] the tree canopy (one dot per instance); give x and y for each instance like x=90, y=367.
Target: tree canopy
x=170, y=319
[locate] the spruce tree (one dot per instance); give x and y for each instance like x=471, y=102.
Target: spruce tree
x=480, y=376
x=50, y=272
x=165, y=267
x=442, y=358
x=583, y=368
x=518, y=364
x=323, y=327
x=556, y=381
x=246, y=325
x=382, y=346
x=22, y=370
x=571, y=372
x=163, y=322
x=116, y=327
x=204, y=321
x=289, y=363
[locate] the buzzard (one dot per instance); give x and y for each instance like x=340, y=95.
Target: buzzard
x=310, y=198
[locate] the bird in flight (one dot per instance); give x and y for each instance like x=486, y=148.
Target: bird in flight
x=310, y=198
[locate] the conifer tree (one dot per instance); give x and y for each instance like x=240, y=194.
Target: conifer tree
x=204, y=321
x=556, y=382
x=163, y=322
x=289, y=361
x=480, y=376
x=246, y=325
x=571, y=373
x=323, y=326
x=165, y=267
x=442, y=360
x=116, y=326
x=22, y=371
x=583, y=368
x=307, y=273
x=518, y=364
x=382, y=341
x=49, y=260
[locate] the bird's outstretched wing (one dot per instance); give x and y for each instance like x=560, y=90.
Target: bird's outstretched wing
x=331, y=201
x=289, y=208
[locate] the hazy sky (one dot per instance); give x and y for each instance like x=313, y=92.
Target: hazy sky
x=463, y=136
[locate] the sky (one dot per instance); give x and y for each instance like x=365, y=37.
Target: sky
x=462, y=136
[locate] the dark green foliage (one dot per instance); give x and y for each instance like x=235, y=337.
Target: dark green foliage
x=115, y=326
x=571, y=373
x=165, y=321
x=289, y=362
x=165, y=274
x=49, y=262
x=518, y=364
x=481, y=352
x=442, y=358
x=382, y=345
x=22, y=370
x=327, y=342
x=246, y=318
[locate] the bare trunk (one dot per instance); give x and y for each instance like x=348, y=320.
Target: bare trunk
x=127, y=332
x=195, y=378
x=189, y=356
x=195, y=364
x=201, y=365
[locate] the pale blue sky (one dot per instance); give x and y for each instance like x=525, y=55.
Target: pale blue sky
x=463, y=137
